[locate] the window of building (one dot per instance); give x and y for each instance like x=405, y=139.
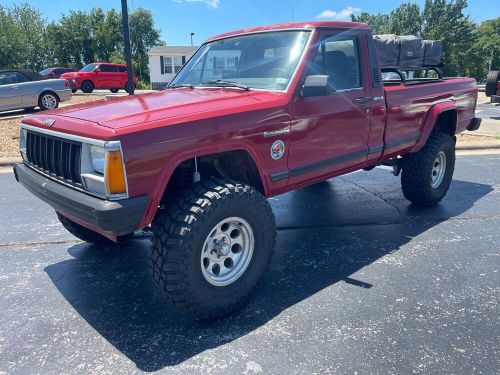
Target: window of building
x=177, y=63
x=167, y=63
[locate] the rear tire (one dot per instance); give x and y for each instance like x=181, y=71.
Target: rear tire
x=190, y=238
x=114, y=91
x=74, y=90
x=48, y=100
x=87, y=87
x=427, y=174
x=491, y=82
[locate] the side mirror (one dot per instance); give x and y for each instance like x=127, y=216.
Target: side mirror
x=51, y=74
x=315, y=85
x=97, y=70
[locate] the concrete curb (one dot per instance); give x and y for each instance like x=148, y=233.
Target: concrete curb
x=462, y=146
x=479, y=145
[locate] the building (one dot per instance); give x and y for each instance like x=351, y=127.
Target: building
x=165, y=62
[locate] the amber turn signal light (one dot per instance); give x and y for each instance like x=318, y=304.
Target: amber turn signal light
x=114, y=177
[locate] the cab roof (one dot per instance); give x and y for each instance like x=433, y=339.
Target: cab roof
x=295, y=26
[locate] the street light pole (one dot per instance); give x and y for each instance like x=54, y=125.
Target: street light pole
x=128, y=53
x=192, y=34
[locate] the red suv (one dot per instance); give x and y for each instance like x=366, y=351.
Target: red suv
x=99, y=76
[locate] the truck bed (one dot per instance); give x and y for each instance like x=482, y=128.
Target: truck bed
x=409, y=105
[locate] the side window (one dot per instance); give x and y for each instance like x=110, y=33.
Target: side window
x=338, y=57
x=107, y=68
x=167, y=62
x=122, y=69
x=58, y=71
x=20, y=77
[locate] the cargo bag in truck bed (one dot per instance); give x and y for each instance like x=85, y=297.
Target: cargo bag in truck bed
x=407, y=52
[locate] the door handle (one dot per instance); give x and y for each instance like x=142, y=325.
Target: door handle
x=15, y=87
x=361, y=100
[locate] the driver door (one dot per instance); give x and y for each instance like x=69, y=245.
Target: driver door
x=330, y=133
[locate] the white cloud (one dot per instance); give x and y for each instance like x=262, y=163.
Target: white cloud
x=214, y=4
x=343, y=15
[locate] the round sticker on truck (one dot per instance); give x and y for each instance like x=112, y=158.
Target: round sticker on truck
x=277, y=149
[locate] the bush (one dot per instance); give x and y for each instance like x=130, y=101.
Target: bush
x=141, y=85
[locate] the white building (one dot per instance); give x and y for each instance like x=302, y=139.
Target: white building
x=166, y=61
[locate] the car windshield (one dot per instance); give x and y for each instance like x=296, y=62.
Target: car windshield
x=89, y=68
x=262, y=61
x=45, y=71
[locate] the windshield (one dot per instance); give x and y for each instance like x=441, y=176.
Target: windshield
x=89, y=68
x=45, y=71
x=261, y=61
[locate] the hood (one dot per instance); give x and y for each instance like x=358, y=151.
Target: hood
x=170, y=106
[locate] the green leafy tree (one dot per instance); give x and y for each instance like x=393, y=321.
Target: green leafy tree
x=380, y=23
x=406, y=20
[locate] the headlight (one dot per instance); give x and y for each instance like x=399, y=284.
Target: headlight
x=98, y=158
x=103, y=170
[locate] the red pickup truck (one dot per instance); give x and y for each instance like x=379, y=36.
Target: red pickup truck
x=254, y=113
x=99, y=76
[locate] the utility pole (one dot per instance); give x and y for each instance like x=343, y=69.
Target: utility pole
x=192, y=34
x=128, y=53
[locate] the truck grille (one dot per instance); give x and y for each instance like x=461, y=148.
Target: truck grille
x=57, y=157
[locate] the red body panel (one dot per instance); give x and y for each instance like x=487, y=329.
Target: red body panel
x=100, y=80
x=323, y=136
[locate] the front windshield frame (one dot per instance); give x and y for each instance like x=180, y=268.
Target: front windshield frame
x=305, y=49
x=88, y=71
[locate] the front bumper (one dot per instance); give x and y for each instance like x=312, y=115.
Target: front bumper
x=114, y=218
x=65, y=94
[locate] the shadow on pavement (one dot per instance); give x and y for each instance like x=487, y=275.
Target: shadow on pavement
x=112, y=289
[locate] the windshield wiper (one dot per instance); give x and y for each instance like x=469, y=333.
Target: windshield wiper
x=223, y=83
x=177, y=86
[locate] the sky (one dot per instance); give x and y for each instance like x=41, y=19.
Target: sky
x=178, y=18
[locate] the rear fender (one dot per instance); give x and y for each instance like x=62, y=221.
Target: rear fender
x=430, y=121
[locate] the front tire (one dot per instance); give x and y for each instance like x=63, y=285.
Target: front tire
x=48, y=100
x=87, y=87
x=211, y=247
x=427, y=174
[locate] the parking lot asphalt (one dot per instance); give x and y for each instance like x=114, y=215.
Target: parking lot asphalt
x=361, y=282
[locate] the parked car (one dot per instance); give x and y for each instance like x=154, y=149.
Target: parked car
x=56, y=72
x=99, y=76
x=492, y=87
x=24, y=88
x=253, y=114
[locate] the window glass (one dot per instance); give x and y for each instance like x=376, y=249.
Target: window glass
x=107, y=68
x=263, y=60
x=45, y=71
x=8, y=78
x=338, y=57
x=59, y=71
x=122, y=69
x=177, y=63
x=21, y=78
x=167, y=62
x=89, y=68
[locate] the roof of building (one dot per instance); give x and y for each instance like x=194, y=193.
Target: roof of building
x=172, y=49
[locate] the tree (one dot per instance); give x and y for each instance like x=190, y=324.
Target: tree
x=380, y=23
x=143, y=37
x=406, y=20
x=445, y=21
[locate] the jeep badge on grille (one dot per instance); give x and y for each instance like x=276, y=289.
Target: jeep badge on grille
x=49, y=122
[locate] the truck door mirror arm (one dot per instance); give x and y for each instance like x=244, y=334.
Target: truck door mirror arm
x=315, y=85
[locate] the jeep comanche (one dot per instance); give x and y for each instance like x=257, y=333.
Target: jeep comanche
x=254, y=113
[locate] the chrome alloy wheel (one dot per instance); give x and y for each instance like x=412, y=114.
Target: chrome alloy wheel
x=227, y=251
x=49, y=101
x=438, y=170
